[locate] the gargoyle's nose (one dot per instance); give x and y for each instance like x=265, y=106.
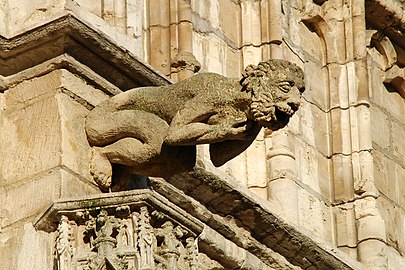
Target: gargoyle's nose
x=294, y=105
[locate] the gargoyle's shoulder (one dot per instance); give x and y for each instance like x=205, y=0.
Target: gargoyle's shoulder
x=208, y=76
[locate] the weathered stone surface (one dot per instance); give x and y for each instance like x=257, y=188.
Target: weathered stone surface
x=153, y=131
x=341, y=155
x=143, y=215
x=253, y=214
x=32, y=249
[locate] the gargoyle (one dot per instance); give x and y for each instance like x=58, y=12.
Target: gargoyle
x=153, y=131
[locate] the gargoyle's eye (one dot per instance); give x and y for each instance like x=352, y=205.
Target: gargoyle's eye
x=285, y=86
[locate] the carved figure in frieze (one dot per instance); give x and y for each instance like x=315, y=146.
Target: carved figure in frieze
x=192, y=253
x=102, y=231
x=64, y=247
x=145, y=241
x=153, y=130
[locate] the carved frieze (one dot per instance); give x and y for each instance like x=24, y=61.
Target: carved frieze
x=143, y=233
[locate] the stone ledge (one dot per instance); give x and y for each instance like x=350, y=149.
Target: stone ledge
x=82, y=41
x=228, y=199
x=120, y=204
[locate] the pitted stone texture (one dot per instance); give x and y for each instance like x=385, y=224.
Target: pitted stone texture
x=44, y=145
x=153, y=131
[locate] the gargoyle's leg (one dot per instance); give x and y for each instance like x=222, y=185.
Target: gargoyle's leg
x=128, y=137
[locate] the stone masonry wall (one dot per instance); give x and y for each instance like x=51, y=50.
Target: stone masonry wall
x=337, y=170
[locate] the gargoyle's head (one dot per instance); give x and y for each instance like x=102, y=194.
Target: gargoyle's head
x=275, y=86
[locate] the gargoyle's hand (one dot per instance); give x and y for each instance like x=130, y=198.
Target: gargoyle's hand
x=236, y=128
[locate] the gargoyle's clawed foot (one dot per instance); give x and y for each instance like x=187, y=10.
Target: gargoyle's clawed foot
x=100, y=169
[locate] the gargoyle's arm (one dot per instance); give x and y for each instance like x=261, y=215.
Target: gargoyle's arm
x=189, y=127
x=222, y=152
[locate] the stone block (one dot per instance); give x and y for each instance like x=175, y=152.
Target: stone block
x=259, y=191
x=214, y=54
x=395, y=105
x=30, y=91
x=401, y=185
x=233, y=63
x=43, y=123
x=398, y=143
x=346, y=233
x=23, y=14
x=314, y=215
x=283, y=194
x=256, y=165
x=26, y=248
x=25, y=197
x=371, y=227
x=363, y=174
x=30, y=140
x=338, y=87
x=371, y=254
x=341, y=131
x=315, y=127
x=392, y=180
x=75, y=149
x=73, y=185
x=313, y=169
x=364, y=130
x=250, y=15
x=370, y=222
x=251, y=55
x=316, y=90
x=313, y=45
x=51, y=185
x=342, y=178
x=228, y=12
x=380, y=172
x=79, y=87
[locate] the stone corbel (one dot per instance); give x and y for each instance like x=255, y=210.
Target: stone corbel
x=395, y=77
x=384, y=46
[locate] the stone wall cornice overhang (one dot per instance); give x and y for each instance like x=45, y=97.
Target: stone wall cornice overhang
x=121, y=204
x=208, y=203
x=70, y=206
x=224, y=197
x=387, y=16
x=82, y=41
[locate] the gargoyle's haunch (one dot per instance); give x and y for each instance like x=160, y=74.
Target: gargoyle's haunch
x=154, y=130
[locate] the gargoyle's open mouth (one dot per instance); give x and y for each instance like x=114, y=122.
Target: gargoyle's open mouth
x=282, y=116
x=284, y=111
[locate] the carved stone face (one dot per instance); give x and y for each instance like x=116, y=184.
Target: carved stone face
x=278, y=98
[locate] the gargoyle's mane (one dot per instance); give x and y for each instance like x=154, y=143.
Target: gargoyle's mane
x=252, y=78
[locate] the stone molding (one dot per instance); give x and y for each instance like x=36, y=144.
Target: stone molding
x=102, y=220
x=386, y=16
x=87, y=44
x=219, y=194
x=205, y=203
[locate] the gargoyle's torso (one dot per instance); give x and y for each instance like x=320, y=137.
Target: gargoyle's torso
x=210, y=92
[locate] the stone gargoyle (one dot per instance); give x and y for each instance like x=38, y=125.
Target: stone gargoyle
x=153, y=131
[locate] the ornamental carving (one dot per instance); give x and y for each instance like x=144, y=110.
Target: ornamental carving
x=144, y=239
x=153, y=131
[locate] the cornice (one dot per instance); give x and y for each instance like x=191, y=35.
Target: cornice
x=226, y=198
x=79, y=43
x=387, y=16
